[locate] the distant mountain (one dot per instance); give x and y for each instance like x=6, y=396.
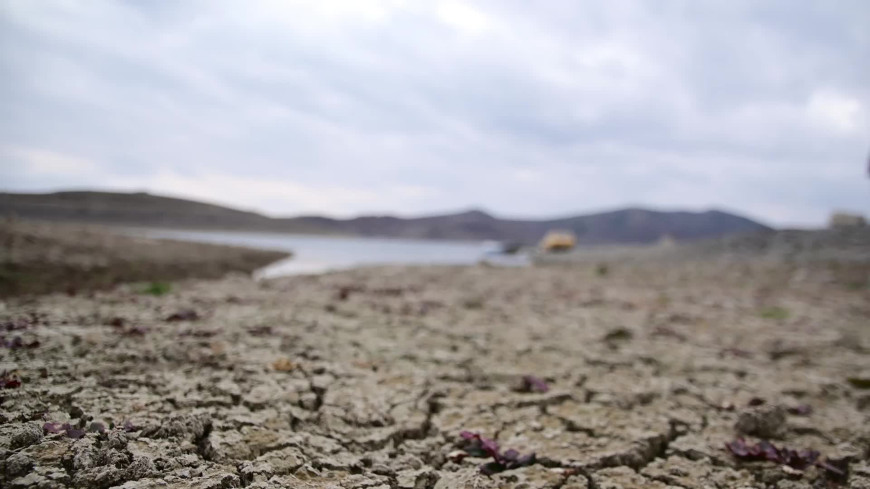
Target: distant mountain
x=141, y=209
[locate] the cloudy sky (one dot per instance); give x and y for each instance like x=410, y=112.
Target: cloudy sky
x=526, y=109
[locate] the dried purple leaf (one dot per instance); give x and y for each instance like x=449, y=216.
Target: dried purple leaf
x=117, y=322
x=129, y=426
x=766, y=451
x=389, y=291
x=669, y=332
x=15, y=325
x=756, y=401
x=737, y=352
x=526, y=460
x=480, y=447
x=200, y=333
x=343, y=293
x=260, y=331
x=530, y=383
x=618, y=334
x=17, y=342
x=75, y=434
x=510, y=455
x=800, y=410
x=183, y=315
x=345, y=290
x=135, y=331
x=9, y=380
x=68, y=430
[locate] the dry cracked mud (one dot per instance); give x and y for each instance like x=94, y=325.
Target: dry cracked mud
x=365, y=378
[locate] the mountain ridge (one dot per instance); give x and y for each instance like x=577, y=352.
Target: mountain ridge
x=629, y=225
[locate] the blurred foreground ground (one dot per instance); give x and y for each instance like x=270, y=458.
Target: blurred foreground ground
x=365, y=378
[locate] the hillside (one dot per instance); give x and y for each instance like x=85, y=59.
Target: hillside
x=141, y=209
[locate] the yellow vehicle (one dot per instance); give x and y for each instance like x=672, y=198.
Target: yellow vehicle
x=558, y=241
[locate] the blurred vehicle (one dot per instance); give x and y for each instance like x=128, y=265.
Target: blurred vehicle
x=558, y=241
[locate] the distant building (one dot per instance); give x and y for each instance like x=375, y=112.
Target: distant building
x=557, y=240
x=846, y=220
x=666, y=241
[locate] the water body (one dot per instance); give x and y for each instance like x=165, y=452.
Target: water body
x=318, y=254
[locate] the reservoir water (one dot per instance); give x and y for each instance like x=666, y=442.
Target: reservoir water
x=318, y=254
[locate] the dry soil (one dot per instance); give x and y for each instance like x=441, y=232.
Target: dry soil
x=365, y=378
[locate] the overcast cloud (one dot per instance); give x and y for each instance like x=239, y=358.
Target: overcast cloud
x=526, y=109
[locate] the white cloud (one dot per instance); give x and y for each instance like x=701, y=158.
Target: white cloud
x=463, y=16
x=527, y=175
x=838, y=113
x=269, y=193
x=41, y=162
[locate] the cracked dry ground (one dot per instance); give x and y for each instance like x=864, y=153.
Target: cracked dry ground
x=364, y=379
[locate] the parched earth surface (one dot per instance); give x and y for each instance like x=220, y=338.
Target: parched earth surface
x=365, y=379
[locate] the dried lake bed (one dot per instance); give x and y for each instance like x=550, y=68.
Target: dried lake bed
x=365, y=378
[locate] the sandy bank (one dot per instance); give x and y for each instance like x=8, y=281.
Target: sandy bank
x=37, y=258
